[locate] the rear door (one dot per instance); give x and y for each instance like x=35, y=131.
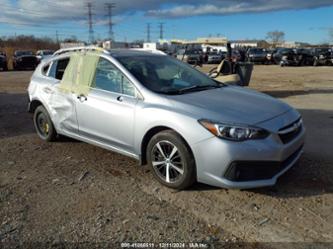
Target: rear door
x=60, y=104
x=107, y=113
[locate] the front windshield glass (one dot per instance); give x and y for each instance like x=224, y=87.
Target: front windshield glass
x=20, y=53
x=164, y=74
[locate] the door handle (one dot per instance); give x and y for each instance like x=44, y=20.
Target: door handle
x=120, y=98
x=82, y=98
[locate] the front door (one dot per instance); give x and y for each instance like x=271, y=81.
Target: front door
x=107, y=113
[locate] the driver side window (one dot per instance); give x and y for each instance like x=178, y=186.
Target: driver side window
x=110, y=78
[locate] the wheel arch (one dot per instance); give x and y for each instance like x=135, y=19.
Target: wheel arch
x=148, y=136
x=34, y=104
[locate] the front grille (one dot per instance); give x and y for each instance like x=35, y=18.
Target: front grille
x=289, y=132
x=29, y=60
x=241, y=171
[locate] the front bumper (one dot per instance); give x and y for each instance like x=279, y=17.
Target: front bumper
x=257, y=59
x=214, y=60
x=26, y=64
x=259, y=162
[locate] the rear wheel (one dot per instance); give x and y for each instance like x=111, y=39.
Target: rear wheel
x=171, y=160
x=43, y=125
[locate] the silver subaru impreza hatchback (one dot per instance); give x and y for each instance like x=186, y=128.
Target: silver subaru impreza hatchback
x=166, y=114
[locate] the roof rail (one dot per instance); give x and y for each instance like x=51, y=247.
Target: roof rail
x=79, y=49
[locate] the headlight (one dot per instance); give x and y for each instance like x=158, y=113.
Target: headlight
x=234, y=132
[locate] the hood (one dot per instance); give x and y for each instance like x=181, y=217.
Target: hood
x=230, y=104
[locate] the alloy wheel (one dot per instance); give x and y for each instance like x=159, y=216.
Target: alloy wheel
x=167, y=161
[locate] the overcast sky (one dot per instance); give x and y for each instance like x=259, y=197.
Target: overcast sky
x=237, y=19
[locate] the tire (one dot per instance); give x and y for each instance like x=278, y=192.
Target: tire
x=43, y=125
x=181, y=165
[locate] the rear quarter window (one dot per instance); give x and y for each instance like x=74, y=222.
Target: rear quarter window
x=58, y=68
x=45, y=69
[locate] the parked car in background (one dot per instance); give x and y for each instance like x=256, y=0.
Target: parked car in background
x=191, y=56
x=236, y=56
x=322, y=56
x=277, y=56
x=24, y=60
x=186, y=126
x=269, y=55
x=3, y=61
x=297, y=57
x=43, y=54
x=257, y=55
x=214, y=58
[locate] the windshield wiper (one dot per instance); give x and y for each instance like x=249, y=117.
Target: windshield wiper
x=197, y=88
x=190, y=89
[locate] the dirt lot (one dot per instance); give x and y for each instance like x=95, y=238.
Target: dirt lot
x=69, y=191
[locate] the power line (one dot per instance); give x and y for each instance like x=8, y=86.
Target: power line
x=90, y=22
x=109, y=7
x=57, y=36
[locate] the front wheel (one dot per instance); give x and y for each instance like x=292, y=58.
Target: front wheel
x=171, y=160
x=43, y=125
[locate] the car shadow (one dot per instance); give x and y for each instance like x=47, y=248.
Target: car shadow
x=14, y=118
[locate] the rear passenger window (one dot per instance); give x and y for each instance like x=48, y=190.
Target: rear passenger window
x=58, y=68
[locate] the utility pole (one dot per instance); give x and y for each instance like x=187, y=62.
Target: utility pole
x=109, y=7
x=90, y=22
x=148, y=32
x=57, y=36
x=161, y=30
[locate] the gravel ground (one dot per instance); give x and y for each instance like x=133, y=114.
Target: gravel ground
x=58, y=194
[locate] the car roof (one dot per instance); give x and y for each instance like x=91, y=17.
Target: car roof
x=130, y=52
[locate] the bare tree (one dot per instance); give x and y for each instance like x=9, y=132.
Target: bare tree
x=275, y=37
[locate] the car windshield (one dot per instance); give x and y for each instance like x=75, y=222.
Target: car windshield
x=163, y=74
x=323, y=50
x=257, y=51
x=20, y=53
